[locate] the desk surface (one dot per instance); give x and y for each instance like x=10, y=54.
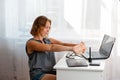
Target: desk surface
x=61, y=64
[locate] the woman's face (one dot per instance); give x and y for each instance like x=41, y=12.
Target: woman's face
x=45, y=30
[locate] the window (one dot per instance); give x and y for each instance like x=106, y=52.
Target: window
x=89, y=18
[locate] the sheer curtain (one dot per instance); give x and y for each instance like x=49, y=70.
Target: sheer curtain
x=81, y=19
x=20, y=15
x=112, y=64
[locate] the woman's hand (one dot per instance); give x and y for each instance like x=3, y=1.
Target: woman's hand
x=79, y=49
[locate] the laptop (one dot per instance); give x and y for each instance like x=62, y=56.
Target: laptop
x=104, y=50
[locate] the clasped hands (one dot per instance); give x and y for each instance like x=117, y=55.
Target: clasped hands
x=79, y=49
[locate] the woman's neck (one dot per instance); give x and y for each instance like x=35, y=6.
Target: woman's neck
x=38, y=38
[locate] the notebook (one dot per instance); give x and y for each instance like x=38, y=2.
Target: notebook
x=76, y=62
x=104, y=50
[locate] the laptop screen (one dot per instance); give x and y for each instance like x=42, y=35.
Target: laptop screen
x=107, y=45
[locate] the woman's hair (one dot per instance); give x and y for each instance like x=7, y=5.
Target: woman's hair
x=39, y=22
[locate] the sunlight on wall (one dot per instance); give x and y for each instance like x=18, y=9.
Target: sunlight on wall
x=89, y=18
x=73, y=14
x=118, y=30
x=106, y=14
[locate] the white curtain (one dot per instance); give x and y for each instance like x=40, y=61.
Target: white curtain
x=112, y=70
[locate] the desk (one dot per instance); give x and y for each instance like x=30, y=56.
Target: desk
x=78, y=73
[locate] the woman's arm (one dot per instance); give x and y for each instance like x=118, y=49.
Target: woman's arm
x=36, y=46
x=56, y=46
x=54, y=41
x=76, y=47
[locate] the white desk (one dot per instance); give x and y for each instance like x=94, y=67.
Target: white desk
x=78, y=73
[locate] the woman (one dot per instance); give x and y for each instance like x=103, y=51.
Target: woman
x=40, y=50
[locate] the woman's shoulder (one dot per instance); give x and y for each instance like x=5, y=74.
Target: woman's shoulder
x=55, y=41
x=50, y=39
x=47, y=40
x=29, y=40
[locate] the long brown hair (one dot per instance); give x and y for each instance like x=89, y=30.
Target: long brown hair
x=39, y=22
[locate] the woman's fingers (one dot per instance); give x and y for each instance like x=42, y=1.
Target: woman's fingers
x=83, y=47
x=79, y=49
